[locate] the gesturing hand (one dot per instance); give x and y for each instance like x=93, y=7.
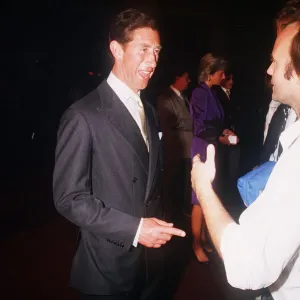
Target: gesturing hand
x=155, y=233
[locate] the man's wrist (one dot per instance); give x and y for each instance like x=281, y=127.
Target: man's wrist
x=205, y=194
x=137, y=235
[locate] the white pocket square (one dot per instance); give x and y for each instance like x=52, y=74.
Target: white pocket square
x=160, y=135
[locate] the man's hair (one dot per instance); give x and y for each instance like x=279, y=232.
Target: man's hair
x=210, y=64
x=177, y=70
x=126, y=22
x=289, y=14
x=295, y=57
x=228, y=73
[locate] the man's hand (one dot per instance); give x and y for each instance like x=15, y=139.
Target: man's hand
x=203, y=174
x=228, y=132
x=155, y=233
x=225, y=139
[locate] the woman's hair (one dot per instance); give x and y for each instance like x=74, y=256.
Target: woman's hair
x=210, y=64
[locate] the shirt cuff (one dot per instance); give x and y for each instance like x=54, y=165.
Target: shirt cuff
x=136, y=238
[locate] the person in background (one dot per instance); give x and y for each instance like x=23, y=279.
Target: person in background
x=208, y=117
x=230, y=154
x=177, y=129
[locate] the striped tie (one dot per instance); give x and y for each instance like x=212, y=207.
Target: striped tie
x=143, y=120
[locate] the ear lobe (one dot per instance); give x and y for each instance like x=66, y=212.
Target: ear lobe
x=116, y=50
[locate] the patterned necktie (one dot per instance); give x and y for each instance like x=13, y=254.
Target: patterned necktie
x=186, y=102
x=143, y=121
x=276, y=127
x=228, y=93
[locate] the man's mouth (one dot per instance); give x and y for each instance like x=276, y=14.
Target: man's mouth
x=145, y=74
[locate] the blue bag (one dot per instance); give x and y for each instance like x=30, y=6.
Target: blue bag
x=254, y=182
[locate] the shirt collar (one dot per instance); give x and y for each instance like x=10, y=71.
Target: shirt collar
x=175, y=90
x=120, y=88
x=289, y=135
x=225, y=90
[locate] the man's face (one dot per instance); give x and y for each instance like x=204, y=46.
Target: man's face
x=139, y=58
x=217, y=77
x=227, y=83
x=182, y=82
x=284, y=89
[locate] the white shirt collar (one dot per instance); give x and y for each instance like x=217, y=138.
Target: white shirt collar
x=289, y=135
x=120, y=88
x=175, y=90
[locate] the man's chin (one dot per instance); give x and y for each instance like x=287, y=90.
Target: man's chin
x=143, y=85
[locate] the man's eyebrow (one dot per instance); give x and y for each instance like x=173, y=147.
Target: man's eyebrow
x=146, y=45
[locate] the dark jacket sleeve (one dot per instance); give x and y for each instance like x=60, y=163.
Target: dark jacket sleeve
x=72, y=184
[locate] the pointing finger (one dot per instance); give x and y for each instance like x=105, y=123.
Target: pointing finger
x=173, y=231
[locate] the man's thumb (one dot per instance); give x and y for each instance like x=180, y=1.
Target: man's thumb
x=211, y=154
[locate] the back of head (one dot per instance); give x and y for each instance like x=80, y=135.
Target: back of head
x=210, y=64
x=177, y=70
x=295, y=52
x=126, y=22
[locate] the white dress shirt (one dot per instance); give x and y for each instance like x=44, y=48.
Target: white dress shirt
x=263, y=250
x=130, y=99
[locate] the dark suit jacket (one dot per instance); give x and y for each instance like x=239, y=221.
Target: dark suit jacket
x=176, y=124
x=230, y=111
x=104, y=182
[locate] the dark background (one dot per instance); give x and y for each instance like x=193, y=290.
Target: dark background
x=48, y=49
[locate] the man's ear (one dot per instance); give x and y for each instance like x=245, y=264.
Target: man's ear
x=116, y=50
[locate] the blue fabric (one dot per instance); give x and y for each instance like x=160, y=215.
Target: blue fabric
x=254, y=182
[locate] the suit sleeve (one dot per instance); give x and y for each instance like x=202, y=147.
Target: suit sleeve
x=72, y=188
x=199, y=107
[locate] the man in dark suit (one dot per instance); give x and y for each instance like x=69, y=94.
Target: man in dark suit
x=229, y=154
x=177, y=128
x=223, y=93
x=107, y=173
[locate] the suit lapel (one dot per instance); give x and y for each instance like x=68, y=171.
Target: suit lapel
x=153, y=146
x=118, y=115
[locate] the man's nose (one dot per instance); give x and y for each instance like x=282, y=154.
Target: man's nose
x=270, y=69
x=152, y=59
